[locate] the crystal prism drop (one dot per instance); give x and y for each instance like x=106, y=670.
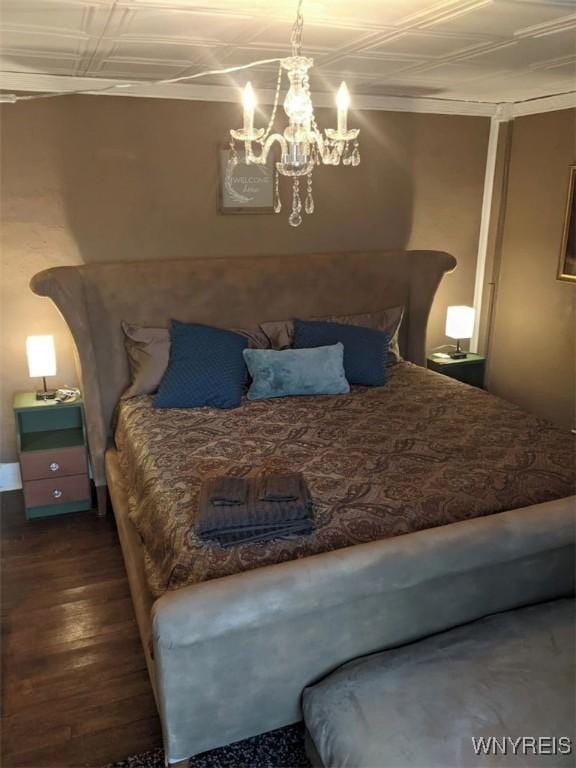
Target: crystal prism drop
x=347, y=160
x=277, y=200
x=233, y=156
x=356, y=157
x=298, y=204
x=295, y=219
x=309, y=203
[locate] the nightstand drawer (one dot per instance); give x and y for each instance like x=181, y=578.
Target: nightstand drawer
x=57, y=462
x=40, y=493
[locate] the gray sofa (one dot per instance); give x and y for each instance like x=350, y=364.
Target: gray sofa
x=436, y=703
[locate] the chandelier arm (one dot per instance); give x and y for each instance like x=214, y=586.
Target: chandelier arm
x=319, y=139
x=266, y=147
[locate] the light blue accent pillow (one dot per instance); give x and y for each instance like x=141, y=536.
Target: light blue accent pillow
x=318, y=371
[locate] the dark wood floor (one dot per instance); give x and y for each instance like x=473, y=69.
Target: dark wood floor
x=75, y=690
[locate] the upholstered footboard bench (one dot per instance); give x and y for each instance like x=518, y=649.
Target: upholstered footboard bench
x=499, y=691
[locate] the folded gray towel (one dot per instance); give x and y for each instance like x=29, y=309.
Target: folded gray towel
x=287, y=487
x=258, y=518
x=263, y=533
x=227, y=491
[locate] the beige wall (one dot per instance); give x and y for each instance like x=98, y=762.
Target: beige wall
x=532, y=344
x=99, y=178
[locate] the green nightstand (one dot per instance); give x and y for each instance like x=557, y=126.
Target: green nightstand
x=470, y=369
x=53, y=455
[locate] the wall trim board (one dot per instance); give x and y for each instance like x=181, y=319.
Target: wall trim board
x=492, y=275
x=547, y=104
x=47, y=83
x=503, y=113
x=22, y=81
x=485, y=223
x=10, y=479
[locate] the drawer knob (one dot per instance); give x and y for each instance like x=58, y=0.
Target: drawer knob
x=56, y=493
x=54, y=467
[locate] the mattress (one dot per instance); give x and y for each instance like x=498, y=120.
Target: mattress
x=422, y=451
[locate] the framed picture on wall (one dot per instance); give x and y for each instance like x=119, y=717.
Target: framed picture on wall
x=567, y=265
x=245, y=188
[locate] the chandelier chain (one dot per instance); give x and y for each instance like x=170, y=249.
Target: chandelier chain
x=297, y=29
x=274, y=106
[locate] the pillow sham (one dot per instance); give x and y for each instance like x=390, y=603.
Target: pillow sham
x=276, y=373
x=280, y=333
x=206, y=368
x=148, y=351
x=365, y=349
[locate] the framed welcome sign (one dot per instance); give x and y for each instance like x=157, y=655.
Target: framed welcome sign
x=245, y=188
x=567, y=265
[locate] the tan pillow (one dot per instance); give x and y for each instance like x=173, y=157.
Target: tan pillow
x=280, y=333
x=148, y=351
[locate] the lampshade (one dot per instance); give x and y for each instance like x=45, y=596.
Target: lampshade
x=460, y=322
x=41, y=356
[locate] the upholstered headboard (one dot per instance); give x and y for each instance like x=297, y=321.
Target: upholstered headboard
x=235, y=292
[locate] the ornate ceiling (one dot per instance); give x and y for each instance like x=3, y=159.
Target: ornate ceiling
x=469, y=50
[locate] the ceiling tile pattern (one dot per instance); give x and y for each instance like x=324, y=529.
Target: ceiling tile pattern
x=467, y=50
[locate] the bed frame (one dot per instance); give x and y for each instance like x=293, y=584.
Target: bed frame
x=229, y=658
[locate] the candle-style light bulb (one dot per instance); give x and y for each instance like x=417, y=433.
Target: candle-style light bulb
x=249, y=102
x=342, y=103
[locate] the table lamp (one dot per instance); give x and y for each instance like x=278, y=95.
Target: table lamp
x=41, y=362
x=459, y=325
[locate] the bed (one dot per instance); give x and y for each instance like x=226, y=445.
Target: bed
x=471, y=510
x=376, y=468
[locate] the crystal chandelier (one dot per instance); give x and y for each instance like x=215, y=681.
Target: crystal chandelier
x=302, y=145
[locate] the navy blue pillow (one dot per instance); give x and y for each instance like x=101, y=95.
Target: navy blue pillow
x=206, y=367
x=365, y=349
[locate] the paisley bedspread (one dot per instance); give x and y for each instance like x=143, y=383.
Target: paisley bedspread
x=421, y=451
